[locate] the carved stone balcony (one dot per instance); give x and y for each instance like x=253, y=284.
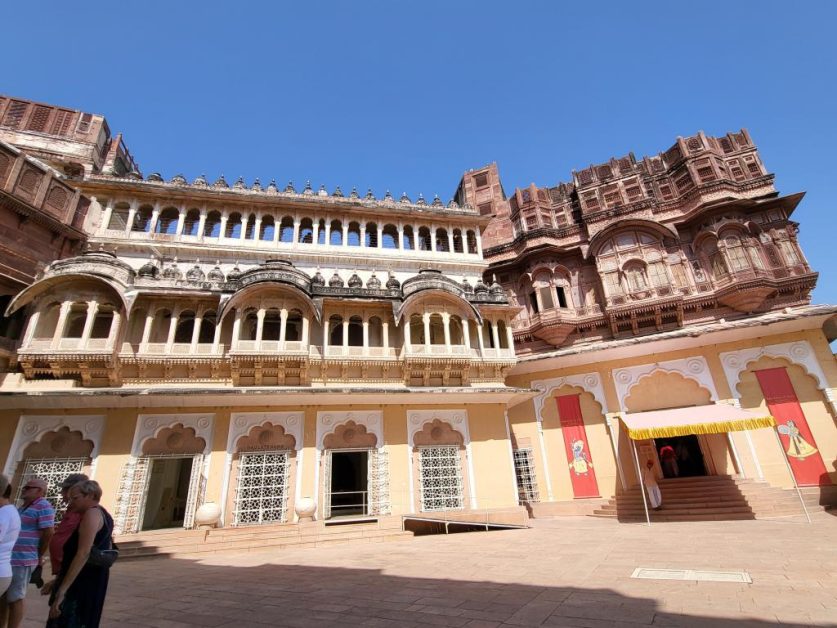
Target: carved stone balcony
x=93, y=361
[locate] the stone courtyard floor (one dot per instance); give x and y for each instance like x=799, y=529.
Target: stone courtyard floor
x=564, y=572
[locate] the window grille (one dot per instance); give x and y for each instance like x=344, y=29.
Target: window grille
x=527, y=483
x=53, y=471
x=262, y=492
x=440, y=478
x=379, y=500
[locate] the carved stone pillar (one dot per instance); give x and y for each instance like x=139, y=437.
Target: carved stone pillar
x=222, y=230
x=481, y=341
x=450, y=241
x=400, y=245
x=146, y=332
x=446, y=323
x=245, y=220
x=479, y=242
x=346, y=333
x=181, y=221
x=63, y=313
x=466, y=334
x=106, y=216
x=328, y=231
x=113, y=333
x=380, y=236
x=296, y=230
x=257, y=228
x=305, y=331
x=92, y=310
x=362, y=234
x=155, y=215
x=385, y=334
x=495, y=335
x=236, y=330
x=426, y=320
x=132, y=214
x=31, y=326
x=202, y=223
x=345, y=234
x=510, y=336
x=259, y=327
x=283, y=325
x=196, y=332
x=172, y=330
x=365, y=336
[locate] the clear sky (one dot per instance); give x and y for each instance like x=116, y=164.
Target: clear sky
x=406, y=96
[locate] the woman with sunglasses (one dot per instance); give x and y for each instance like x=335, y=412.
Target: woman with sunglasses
x=9, y=529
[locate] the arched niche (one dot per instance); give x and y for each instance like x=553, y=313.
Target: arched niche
x=665, y=389
x=438, y=432
x=174, y=440
x=350, y=435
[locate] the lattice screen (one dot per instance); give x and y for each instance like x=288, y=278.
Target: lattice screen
x=527, y=483
x=53, y=471
x=440, y=480
x=262, y=492
x=378, y=483
x=326, y=484
x=130, y=501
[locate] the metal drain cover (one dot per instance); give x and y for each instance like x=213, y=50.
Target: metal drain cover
x=650, y=573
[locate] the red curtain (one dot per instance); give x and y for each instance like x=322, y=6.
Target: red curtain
x=582, y=473
x=797, y=440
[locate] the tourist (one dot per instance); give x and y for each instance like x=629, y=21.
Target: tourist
x=37, y=518
x=9, y=529
x=668, y=460
x=69, y=522
x=655, y=497
x=78, y=595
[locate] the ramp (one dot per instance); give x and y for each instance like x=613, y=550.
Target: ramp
x=420, y=525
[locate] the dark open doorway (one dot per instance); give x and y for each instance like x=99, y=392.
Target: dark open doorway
x=349, y=483
x=168, y=492
x=680, y=456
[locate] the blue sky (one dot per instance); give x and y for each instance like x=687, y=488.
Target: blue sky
x=406, y=96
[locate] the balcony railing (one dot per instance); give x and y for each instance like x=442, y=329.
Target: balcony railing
x=44, y=345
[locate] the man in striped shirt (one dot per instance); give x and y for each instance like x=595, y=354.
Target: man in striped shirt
x=37, y=518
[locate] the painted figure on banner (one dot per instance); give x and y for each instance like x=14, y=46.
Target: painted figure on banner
x=798, y=447
x=581, y=463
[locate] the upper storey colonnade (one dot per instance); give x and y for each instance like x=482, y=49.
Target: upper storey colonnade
x=287, y=220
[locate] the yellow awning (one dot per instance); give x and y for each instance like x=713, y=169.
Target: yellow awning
x=711, y=419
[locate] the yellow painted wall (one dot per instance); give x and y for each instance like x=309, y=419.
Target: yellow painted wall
x=114, y=452
x=395, y=438
x=218, y=456
x=493, y=478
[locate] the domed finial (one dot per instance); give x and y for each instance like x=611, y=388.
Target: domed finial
x=353, y=193
x=308, y=189
x=322, y=191
x=369, y=195
x=290, y=188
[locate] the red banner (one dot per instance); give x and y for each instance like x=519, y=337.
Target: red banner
x=582, y=474
x=797, y=440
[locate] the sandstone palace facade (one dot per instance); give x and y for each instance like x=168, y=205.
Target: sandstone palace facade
x=252, y=354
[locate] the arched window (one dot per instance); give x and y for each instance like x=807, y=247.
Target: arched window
x=119, y=216
x=437, y=330
x=790, y=253
x=471, y=241
x=167, y=221
x=442, y=242
x=192, y=223
x=212, y=226
x=249, y=325
x=635, y=275
x=142, y=219
x=233, y=226
x=306, y=231
x=272, y=325
x=207, y=332
x=376, y=332
x=389, y=237
x=657, y=274
x=709, y=249
x=250, y=232
x=355, y=331
x=335, y=331
x=336, y=235
x=371, y=235
x=487, y=335
x=424, y=239
x=456, y=335
x=457, y=241
x=185, y=327
x=74, y=326
x=502, y=334
x=321, y=232
x=268, y=229
x=416, y=329
x=286, y=230
x=103, y=321
x=736, y=255
x=353, y=237
x=293, y=326
x=409, y=240
x=160, y=326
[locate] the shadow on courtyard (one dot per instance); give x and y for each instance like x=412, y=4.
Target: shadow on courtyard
x=184, y=592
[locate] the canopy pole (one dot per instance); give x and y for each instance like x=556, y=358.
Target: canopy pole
x=639, y=477
x=775, y=431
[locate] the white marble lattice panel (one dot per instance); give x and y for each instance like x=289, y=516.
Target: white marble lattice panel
x=591, y=382
x=694, y=368
x=30, y=428
x=149, y=425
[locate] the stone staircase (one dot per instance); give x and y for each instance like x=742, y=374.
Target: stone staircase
x=711, y=498
x=175, y=543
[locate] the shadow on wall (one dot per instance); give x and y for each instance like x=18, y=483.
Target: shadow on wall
x=180, y=592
